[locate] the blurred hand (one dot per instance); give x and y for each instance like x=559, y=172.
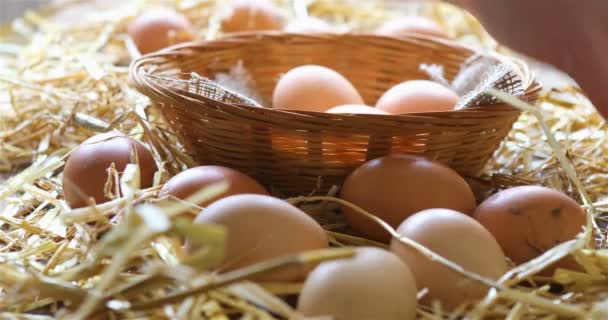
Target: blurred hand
x=572, y=35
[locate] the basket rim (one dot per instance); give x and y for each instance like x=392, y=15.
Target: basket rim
x=140, y=77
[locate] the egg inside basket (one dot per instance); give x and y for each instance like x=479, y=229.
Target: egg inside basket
x=299, y=152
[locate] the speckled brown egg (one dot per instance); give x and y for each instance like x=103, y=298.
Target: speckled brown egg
x=374, y=284
x=159, y=28
x=190, y=181
x=355, y=109
x=261, y=227
x=417, y=96
x=397, y=186
x=411, y=25
x=85, y=173
x=529, y=220
x=313, y=88
x=458, y=238
x=253, y=15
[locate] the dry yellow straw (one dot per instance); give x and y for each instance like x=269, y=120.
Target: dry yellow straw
x=307, y=258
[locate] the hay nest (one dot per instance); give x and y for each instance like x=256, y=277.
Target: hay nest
x=64, y=77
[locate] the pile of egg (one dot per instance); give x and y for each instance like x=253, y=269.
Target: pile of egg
x=421, y=199
x=158, y=28
x=320, y=89
x=307, y=87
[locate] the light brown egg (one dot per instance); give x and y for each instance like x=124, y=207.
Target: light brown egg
x=458, y=238
x=190, y=181
x=156, y=29
x=417, y=96
x=313, y=88
x=411, y=25
x=85, y=173
x=397, y=186
x=355, y=109
x=529, y=220
x=261, y=227
x=253, y=15
x=374, y=284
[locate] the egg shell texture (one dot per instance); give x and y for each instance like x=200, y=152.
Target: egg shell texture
x=529, y=220
x=85, y=172
x=313, y=88
x=253, y=15
x=374, y=284
x=262, y=227
x=417, y=96
x=156, y=29
x=458, y=238
x=190, y=181
x=397, y=186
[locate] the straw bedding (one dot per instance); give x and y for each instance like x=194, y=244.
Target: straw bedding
x=123, y=259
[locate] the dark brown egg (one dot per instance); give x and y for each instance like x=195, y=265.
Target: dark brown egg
x=190, y=181
x=529, y=220
x=397, y=186
x=156, y=29
x=262, y=227
x=85, y=173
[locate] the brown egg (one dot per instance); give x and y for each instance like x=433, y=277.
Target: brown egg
x=253, y=15
x=529, y=220
x=411, y=25
x=190, y=181
x=397, y=186
x=355, y=109
x=458, y=238
x=156, y=29
x=262, y=227
x=313, y=88
x=417, y=96
x=85, y=173
x=374, y=284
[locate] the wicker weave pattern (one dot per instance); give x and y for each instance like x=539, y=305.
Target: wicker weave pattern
x=299, y=152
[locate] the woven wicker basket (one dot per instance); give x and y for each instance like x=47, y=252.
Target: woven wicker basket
x=296, y=153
